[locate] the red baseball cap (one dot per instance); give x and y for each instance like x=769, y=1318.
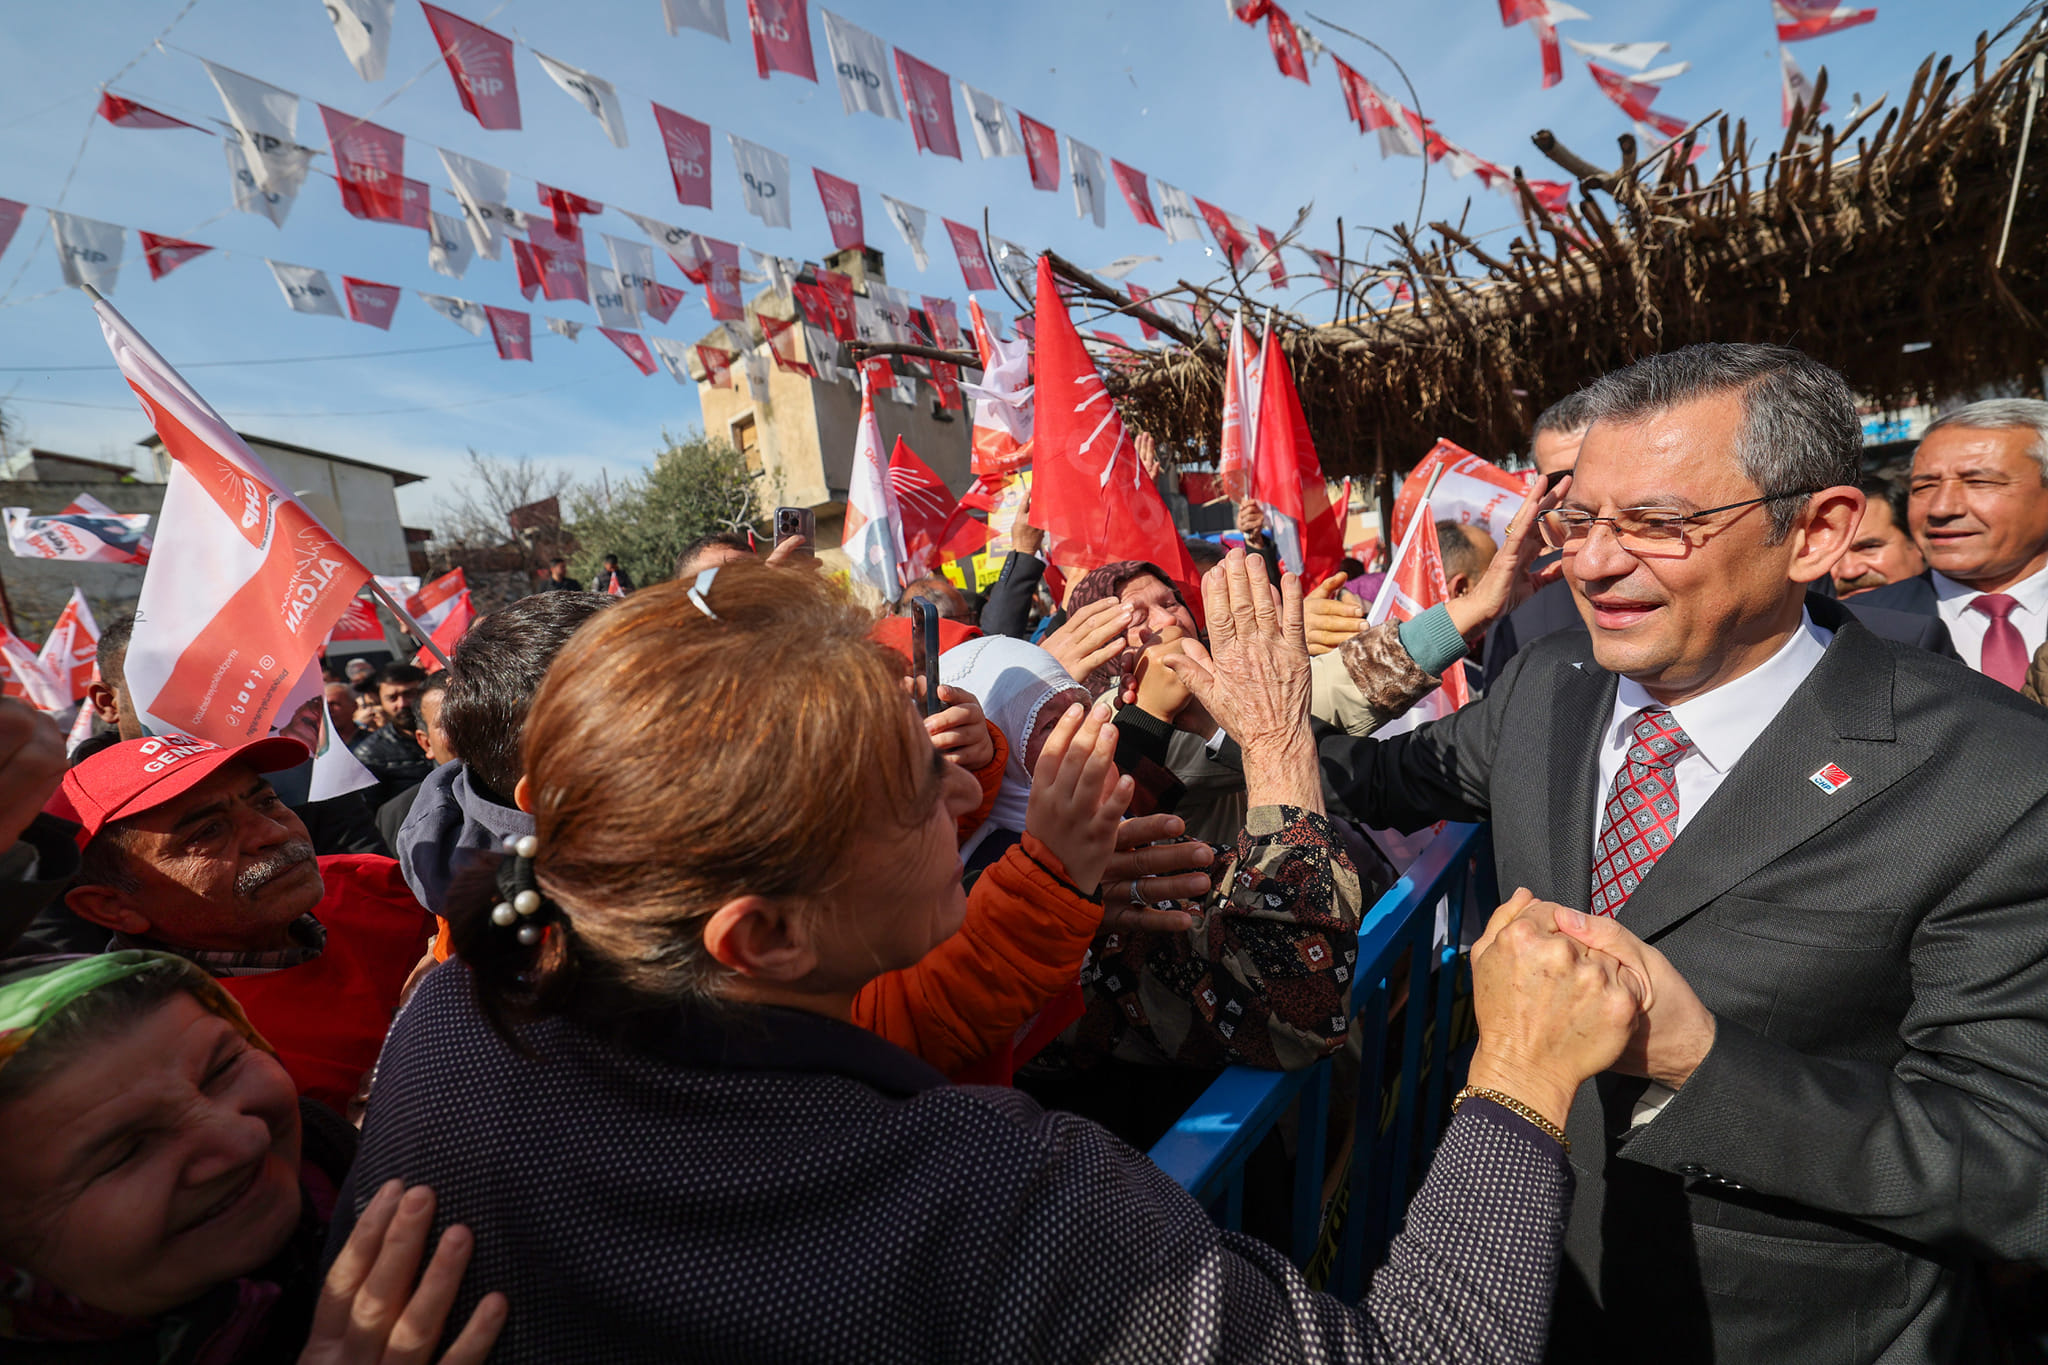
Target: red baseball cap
x=141, y=774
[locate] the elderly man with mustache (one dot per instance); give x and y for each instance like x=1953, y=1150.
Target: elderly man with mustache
x=186, y=849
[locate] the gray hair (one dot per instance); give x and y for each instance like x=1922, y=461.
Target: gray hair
x=1799, y=432
x=2002, y=414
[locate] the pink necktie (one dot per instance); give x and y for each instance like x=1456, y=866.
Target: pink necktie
x=1641, y=816
x=2005, y=656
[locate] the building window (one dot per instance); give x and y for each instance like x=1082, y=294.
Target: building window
x=746, y=438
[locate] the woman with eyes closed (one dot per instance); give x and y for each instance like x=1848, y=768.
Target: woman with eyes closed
x=165, y=1193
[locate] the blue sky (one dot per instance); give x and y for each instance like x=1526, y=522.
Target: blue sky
x=1174, y=87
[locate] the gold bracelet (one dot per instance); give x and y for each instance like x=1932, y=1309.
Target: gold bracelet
x=1513, y=1106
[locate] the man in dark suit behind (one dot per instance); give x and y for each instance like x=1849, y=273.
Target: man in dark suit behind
x=1838, y=847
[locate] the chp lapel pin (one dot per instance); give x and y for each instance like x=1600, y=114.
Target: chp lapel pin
x=1830, y=779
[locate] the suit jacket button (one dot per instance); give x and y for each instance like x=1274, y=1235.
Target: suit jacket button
x=1692, y=1169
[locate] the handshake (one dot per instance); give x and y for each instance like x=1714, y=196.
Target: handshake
x=1561, y=996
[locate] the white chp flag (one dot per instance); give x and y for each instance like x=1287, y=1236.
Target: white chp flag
x=305, y=288
x=336, y=769
x=873, y=540
x=1019, y=266
x=909, y=220
x=287, y=170
x=470, y=317
x=861, y=61
x=594, y=93
x=993, y=132
x=432, y=604
x=88, y=251
x=482, y=191
x=757, y=376
x=1177, y=214
x=265, y=115
x=737, y=334
x=87, y=530
x=634, y=262
x=706, y=16
x=72, y=650
x=1634, y=56
x=777, y=270
x=449, y=248
x=1084, y=168
x=246, y=583
x=764, y=175
x=23, y=676
x=364, y=28
x=562, y=327
x=1124, y=265
x=616, y=305
x=675, y=358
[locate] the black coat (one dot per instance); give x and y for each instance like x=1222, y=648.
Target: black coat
x=768, y=1185
x=1874, y=1110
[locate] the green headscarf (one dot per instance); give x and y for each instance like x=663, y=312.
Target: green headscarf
x=36, y=990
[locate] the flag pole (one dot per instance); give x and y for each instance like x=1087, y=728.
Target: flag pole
x=1382, y=600
x=410, y=626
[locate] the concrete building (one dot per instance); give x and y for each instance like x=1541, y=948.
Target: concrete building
x=798, y=432
x=355, y=498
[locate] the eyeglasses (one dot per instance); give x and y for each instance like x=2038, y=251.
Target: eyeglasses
x=1640, y=529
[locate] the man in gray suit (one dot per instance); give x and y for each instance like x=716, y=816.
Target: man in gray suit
x=1838, y=843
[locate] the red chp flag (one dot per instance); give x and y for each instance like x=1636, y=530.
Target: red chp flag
x=1276, y=269
x=435, y=599
x=974, y=266
x=928, y=100
x=455, y=624
x=933, y=525
x=842, y=209
x=369, y=158
x=1633, y=97
x=1042, y=152
x=782, y=37
x=1136, y=193
x=1413, y=585
x=1288, y=479
x=69, y=655
x=126, y=113
x=1002, y=403
x=512, y=331
x=687, y=144
x=1088, y=490
x=369, y=302
x=634, y=345
x=481, y=63
x=717, y=365
x=359, y=622
x=166, y=254
x=1286, y=44
x=247, y=582
x=722, y=283
x=10, y=219
x=1802, y=19
x=1224, y=228
x=1470, y=489
x=782, y=339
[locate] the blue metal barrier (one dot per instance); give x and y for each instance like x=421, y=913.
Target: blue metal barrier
x=1400, y=979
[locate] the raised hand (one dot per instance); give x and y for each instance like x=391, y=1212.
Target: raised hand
x=1025, y=538
x=370, y=1312
x=1550, y=1013
x=31, y=766
x=1507, y=582
x=1330, y=616
x=1144, y=872
x=1077, y=795
x=1254, y=678
x=1090, y=637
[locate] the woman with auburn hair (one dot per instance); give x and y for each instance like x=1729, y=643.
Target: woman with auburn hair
x=642, y=1087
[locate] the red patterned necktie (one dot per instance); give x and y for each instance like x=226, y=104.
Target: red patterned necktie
x=1641, y=817
x=2005, y=654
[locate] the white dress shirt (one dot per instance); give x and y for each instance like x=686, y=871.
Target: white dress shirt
x=1968, y=628
x=1721, y=723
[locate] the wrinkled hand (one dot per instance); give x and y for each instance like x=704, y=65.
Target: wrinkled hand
x=1330, y=616
x=1148, y=454
x=369, y=1311
x=1676, y=1031
x=1090, y=637
x=1550, y=1013
x=31, y=766
x=1507, y=582
x=1254, y=678
x=1077, y=795
x=960, y=732
x=1251, y=518
x=1145, y=869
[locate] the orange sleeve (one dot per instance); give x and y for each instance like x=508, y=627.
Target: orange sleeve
x=990, y=776
x=1021, y=944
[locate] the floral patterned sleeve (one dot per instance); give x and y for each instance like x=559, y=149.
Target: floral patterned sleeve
x=1263, y=978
